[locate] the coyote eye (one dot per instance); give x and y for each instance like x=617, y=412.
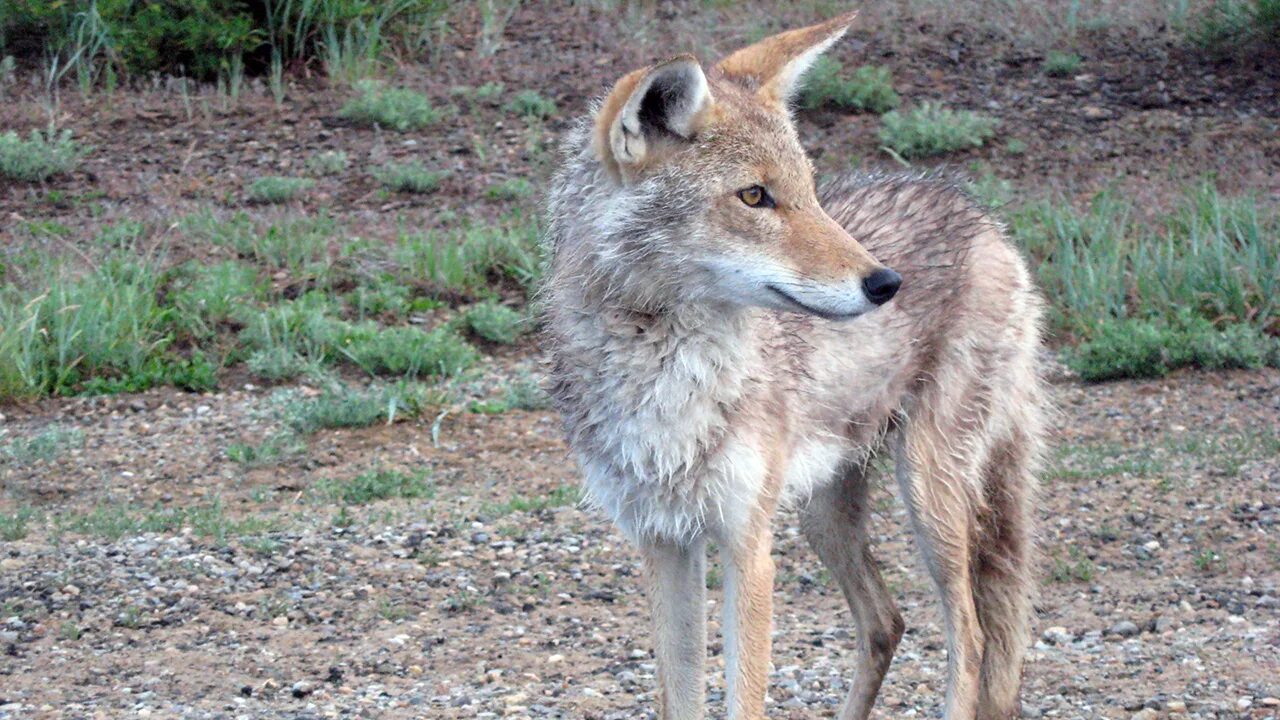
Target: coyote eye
x=756, y=197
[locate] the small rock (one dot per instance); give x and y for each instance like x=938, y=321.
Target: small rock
x=1145, y=714
x=1031, y=712
x=1124, y=628
x=1175, y=706
x=302, y=688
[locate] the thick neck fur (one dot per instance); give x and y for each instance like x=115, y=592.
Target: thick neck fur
x=646, y=373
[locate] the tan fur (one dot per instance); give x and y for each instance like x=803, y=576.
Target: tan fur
x=764, y=65
x=713, y=361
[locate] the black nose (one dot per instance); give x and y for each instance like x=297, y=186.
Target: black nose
x=881, y=285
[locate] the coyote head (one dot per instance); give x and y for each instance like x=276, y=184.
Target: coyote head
x=717, y=149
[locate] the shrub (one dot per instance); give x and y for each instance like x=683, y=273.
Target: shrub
x=39, y=157
x=870, y=88
x=1060, y=64
x=1146, y=348
x=494, y=322
x=411, y=177
x=531, y=104
x=524, y=393
x=931, y=129
x=394, y=108
x=278, y=189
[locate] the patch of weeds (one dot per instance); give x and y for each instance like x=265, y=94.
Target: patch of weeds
x=524, y=393
x=487, y=407
x=473, y=257
x=69, y=631
x=410, y=177
x=115, y=521
x=207, y=296
x=276, y=189
x=715, y=578
x=45, y=445
x=558, y=497
x=1060, y=64
x=374, y=485
x=495, y=323
x=931, y=129
x=392, y=611
x=462, y=601
x=343, y=518
x=1237, y=27
x=1134, y=348
x=1207, y=561
x=870, y=87
x=1101, y=460
x=393, y=108
x=327, y=162
x=275, y=448
x=39, y=157
x=16, y=525
x=264, y=546
x=341, y=406
x=279, y=364
x=383, y=296
x=510, y=189
x=194, y=374
x=531, y=104
x=1014, y=146
x=298, y=244
x=411, y=352
x=1075, y=568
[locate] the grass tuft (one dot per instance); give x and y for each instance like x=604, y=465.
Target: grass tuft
x=394, y=108
x=494, y=322
x=39, y=157
x=44, y=445
x=870, y=87
x=1237, y=27
x=274, y=189
x=1060, y=64
x=531, y=104
x=381, y=484
x=931, y=129
x=327, y=162
x=411, y=177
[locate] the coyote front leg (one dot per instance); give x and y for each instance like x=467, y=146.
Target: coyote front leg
x=677, y=595
x=748, y=619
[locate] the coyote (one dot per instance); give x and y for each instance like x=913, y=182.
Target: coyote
x=726, y=339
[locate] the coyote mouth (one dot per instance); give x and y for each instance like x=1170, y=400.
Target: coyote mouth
x=811, y=310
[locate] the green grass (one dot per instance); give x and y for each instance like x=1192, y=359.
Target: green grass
x=495, y=323
x=39, y=157
x=274, y=189
x=297, y=243
x=208, y=297
x=869, y=88
x=392, y=108
x=524, y=393
x=471, y=258
x=344, y=406
x=930, y=129
x=1132, y=348
x=45, y=445
x=276, y=448
x=380, y=484
x=510, y=189
x=558, y=497
x=410, y=177
x=411, y=352
x=113, y=522
x=530, y=104
x=1237, y=27
x=16, y=525
x=327, y=162
x=1075, y=568
x=1060, y=64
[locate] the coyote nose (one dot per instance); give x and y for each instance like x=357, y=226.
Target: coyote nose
x=881, y=285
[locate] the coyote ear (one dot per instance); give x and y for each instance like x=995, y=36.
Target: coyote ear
x=775, y=65
x=648, y=109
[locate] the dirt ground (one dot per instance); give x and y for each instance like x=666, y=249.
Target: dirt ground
x=494, y=594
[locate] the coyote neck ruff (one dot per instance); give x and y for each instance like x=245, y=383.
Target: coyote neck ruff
x=726, y=337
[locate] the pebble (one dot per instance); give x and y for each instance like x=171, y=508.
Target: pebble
x=1124, y=628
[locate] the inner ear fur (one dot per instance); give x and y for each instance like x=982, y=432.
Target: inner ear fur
x=650, y=111
x=775, y=65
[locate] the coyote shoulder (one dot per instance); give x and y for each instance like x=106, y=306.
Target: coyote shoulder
x=727, y=337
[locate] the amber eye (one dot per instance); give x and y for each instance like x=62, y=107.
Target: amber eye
x=756, y=197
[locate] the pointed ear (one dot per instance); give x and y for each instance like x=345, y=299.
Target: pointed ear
x=649, y=111
x=775, y=65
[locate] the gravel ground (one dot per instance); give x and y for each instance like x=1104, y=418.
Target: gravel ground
x=495, y=596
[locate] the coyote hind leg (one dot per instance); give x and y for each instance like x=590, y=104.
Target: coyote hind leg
x=1003, y=581
x=835, y=523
